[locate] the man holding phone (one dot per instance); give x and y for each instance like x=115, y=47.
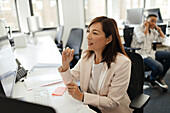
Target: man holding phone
x=157, y=61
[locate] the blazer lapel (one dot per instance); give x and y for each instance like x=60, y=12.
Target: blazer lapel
x=88, y=67
x=102, y=76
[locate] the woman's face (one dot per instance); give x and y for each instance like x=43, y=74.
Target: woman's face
x=96, y=38
x=152, y=22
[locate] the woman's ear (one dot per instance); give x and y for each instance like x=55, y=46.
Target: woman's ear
x=109, y=39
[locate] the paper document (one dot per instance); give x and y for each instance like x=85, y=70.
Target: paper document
x=45, y=65
x=41, y=77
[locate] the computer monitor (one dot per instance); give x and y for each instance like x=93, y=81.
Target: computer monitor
x=8, y=65
x=163, y=27
x=155, y=11
x=9, y=105
x=134, y=16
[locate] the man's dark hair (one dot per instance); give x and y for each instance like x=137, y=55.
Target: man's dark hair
x=151, y=15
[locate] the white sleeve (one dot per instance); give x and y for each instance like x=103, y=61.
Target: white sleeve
x=71, y=75
x=139, y=34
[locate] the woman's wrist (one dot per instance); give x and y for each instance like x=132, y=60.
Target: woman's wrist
x=65, y=68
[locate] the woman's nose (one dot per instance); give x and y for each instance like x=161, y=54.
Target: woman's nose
x=88, y=36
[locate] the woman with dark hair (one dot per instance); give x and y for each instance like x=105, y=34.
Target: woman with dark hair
x=103, y=70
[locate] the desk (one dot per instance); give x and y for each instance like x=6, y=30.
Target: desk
x=166, y=41
x=46, y=52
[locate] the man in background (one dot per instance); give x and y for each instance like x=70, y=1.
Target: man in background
x=157, y=61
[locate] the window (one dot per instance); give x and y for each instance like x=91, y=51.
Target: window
x=128, y=4
x=164, y=6
x=47, y=11
x=94, y=8
x=8, y=12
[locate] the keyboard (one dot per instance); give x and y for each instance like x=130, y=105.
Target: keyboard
x=41, y=96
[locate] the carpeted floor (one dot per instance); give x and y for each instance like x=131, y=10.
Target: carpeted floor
x=159, y=101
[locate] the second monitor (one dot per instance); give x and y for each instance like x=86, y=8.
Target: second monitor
x=134, y=16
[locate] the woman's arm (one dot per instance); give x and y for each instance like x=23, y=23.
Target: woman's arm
x=71, y=75
x=65, y=71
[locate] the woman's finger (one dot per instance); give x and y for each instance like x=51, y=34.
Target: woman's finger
x=71, y=90
x=71, y=93
x=71, y=83
x=69, y=52
x=71, y=87
x=64, y=51
x=72, y=52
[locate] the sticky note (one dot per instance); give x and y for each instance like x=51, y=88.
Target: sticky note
x=59, y=91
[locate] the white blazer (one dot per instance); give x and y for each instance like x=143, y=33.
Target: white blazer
x=111, y=96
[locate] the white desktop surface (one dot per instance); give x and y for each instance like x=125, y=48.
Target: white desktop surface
x=46, y=52
x=166, y=42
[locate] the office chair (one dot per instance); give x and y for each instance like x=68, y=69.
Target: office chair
x=74, y=41
x=135, y=89
x=58, y=37
x=9, y=105
x=163, y=28
x=128, y=37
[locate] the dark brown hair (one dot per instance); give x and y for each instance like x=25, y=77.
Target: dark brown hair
x=109, y=27
x=151, y=15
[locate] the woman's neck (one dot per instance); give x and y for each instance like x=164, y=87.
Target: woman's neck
x=98, y=58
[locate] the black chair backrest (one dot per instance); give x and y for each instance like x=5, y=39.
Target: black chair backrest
x=75, y=39
x=59, y=34
x=128, y=35
x=163, y=28
x=137, y=75
x=2, y=93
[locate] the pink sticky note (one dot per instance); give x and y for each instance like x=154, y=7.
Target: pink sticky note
x=59, y=91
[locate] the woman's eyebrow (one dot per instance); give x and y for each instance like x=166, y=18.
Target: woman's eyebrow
x=96, y=30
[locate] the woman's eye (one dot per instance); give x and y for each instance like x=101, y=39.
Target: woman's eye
x=95, y=33
x=88, y=31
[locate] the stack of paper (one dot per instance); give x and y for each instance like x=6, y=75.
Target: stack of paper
x=42, y=76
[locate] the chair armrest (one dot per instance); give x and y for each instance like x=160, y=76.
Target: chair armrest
x=155, y=44
x=139, y=101
x=131, y=49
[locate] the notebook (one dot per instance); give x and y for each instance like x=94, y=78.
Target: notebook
x=42, y=77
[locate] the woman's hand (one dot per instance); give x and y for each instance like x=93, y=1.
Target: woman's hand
x=74, y=91
x=67, y=57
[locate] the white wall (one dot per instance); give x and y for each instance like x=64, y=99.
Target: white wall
x=113, y=9
x=23, y=12
x=73, y=14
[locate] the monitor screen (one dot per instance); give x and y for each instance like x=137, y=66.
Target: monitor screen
x=17, y=106
x=155, y=11
x=134, y=16
x=8, y=65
